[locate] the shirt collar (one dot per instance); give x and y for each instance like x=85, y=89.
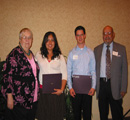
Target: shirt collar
x=111, y=45
x=84, y=48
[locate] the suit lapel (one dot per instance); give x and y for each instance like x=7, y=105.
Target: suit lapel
x=98, y=58
x=113, y=58
x=100, y=54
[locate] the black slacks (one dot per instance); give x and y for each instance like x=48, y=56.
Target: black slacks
x=20, y=113
x=82, y=102
x=106, y=99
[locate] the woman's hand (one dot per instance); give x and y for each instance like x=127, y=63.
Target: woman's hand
x=10, y=101
x=58, y=91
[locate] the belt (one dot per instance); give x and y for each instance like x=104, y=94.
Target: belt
x=104, y=79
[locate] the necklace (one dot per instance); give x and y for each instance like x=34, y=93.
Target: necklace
x=24, y=50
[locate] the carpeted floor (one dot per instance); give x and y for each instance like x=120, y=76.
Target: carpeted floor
x=126, y=118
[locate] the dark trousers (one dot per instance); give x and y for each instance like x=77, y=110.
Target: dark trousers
x=82, y=102
x=20, y=113
x=106, y=99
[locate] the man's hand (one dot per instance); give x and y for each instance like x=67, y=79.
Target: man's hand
x=91, y=92
x=72, y=92
x=123, y=94
x=10, y=101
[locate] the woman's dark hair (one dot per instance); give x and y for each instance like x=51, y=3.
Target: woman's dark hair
x=56, y=50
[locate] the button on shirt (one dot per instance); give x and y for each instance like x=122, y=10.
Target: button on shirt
x=103, y=59
x=81, y=61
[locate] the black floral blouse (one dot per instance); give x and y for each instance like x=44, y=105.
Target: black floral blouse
x=18, y=78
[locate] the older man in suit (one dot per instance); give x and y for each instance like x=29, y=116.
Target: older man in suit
x=112, y=75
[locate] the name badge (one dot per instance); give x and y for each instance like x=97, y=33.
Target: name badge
x=115, y=53
x=75, y=57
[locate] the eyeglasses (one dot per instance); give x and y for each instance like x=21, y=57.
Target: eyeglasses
x=80, y=35
x=25, y=37
x=107, y=33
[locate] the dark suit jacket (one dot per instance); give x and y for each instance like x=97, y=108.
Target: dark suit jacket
x=119, y=70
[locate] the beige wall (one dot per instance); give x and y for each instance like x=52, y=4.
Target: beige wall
x=62, y=16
